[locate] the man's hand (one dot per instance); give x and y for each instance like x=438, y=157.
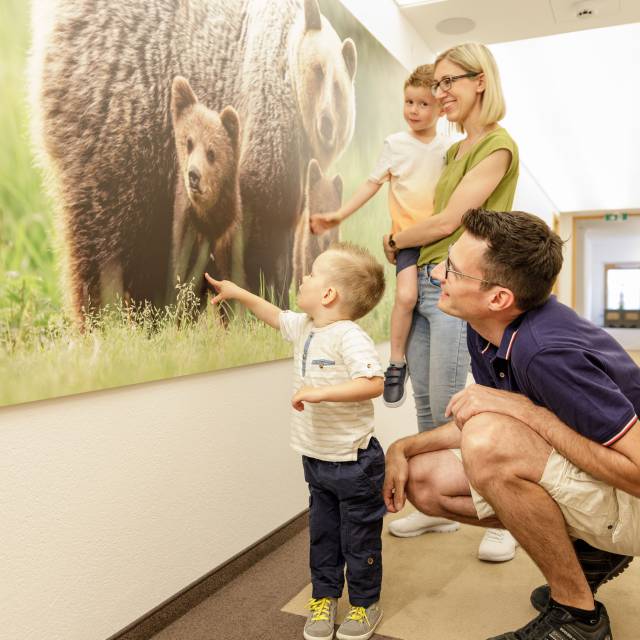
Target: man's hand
x=321, y=222
x=225, y=289
x=306, y=394
x=389, y=251
x=395, y=478
x=477, y=398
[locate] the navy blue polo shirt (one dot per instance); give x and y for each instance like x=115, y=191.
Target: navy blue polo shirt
x=566, y=364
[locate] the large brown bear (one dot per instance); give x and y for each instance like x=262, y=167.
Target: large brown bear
x=322, y=195
x=207, y=204
x=102, y=74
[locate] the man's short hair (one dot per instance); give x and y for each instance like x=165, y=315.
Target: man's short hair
x=523, y=254
x=358, y=277
x=421, y=76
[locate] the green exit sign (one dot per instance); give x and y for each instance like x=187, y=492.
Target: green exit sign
x=616, y=216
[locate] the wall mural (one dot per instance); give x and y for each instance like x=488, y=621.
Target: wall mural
x=149, y=141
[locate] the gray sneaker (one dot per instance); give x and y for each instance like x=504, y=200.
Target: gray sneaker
x=360, y=623
x=321, y=619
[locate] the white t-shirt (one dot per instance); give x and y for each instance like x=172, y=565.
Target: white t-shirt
x=336, y=353
x=413, y=168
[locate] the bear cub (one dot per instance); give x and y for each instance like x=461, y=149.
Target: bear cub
x=322, y=195
x=207, y=207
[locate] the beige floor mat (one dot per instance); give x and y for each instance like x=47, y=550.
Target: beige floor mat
x=434, y=587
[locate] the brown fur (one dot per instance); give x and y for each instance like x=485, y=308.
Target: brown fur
x=101, y=78
x=207, y=203
x=322, y=195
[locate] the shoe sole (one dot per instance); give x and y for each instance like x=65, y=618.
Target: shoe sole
x=614, y=573
x=503, y=558
x=397, y=403
x=365, y=636
x=310, y=637
x=441, y=528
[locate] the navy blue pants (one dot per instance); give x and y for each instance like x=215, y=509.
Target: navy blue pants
x=345, y=524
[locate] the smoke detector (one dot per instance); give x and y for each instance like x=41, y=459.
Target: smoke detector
x=585, y=9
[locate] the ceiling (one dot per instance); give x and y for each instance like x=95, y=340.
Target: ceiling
x=573, y=98
x=507, y=20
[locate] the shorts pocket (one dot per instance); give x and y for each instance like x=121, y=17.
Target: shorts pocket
x=626, y=535
x=587, y=504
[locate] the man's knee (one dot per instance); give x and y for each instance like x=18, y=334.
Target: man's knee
x=486, y=447
x=425, y=484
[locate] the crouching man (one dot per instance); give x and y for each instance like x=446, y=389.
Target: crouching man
x=546, y=443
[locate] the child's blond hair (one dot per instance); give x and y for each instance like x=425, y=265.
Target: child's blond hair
x=358, y=277
x=421, y=76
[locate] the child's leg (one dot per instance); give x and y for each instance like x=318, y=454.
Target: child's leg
x=326, y=560
x=363, y=509
x=402, y=313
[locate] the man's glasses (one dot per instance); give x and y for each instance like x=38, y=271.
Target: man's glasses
x=447, y=81
x=448, y=268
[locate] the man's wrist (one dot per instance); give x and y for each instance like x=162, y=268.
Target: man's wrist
x=399, y=447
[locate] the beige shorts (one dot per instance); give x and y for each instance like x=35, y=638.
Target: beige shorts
x=605, y=517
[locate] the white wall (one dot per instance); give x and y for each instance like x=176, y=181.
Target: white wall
x=383, y=19
x=114, y=501
x=531, y=197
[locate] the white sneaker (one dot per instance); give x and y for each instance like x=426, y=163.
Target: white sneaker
x=418, y=523
x=498, y=545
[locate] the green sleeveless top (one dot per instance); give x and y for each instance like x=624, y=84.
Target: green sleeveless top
x=454, y=170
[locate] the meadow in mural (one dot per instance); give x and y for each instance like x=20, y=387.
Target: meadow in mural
x=147, y=142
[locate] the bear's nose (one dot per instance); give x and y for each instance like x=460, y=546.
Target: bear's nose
x=326, y=127
x=194, y=178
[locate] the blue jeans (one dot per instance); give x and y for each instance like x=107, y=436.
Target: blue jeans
x=437, y=354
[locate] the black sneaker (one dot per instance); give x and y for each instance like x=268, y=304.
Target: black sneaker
x=394, y=389
x=598, y=566
x=557, y=623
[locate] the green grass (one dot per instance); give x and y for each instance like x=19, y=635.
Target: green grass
x=42, y=353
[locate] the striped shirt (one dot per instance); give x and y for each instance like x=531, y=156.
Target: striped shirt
x=330, y=355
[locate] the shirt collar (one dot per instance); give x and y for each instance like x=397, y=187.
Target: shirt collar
x=506, y=344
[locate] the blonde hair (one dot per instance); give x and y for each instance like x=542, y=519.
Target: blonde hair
x=476, y=57
x=358, y=276
x=421, y=76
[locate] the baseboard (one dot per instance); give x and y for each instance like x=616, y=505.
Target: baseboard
x=173, y=608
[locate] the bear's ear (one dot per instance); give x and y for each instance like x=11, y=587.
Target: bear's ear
x=231, y=122
x=312, y=19
x=314, y=173
x=350, y=56
x=182, y=96
x=337, y=185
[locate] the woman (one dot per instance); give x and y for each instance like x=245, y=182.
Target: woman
x=481, y=171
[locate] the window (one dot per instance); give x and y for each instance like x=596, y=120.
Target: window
x=622, y=294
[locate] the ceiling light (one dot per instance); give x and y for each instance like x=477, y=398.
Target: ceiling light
x=416, y=3
x=455, y=26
